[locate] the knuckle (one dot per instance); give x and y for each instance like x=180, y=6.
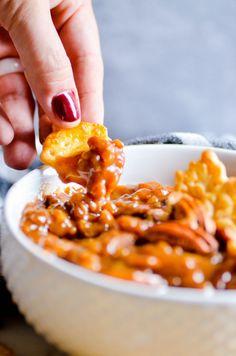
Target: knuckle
x=13, y=87
x=12, y=13
x=52, y=68
x=92, y=59
x=55, y=59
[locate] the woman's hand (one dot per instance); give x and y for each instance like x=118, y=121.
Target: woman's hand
x=58, y=46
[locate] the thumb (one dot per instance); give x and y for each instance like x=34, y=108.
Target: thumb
x=47, y=67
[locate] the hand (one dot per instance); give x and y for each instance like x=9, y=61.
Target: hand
x=58, y=45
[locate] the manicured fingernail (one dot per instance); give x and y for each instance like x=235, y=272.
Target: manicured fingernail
x=65, y=107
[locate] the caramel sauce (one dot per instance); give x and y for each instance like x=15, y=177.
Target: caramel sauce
x=128, y=232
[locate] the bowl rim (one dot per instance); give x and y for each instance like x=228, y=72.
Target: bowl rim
x=158, y=293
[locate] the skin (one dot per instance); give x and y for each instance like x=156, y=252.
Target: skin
x=58, y=45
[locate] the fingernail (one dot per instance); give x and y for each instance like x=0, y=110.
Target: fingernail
x=65, y=107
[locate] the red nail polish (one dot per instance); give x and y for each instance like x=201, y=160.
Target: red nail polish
x=65, y=107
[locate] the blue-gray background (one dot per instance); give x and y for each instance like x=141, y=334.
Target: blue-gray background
x=169, y=65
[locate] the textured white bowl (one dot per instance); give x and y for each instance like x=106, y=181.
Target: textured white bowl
x=85, y=313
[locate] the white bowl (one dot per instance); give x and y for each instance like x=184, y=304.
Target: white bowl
x=85, y=313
